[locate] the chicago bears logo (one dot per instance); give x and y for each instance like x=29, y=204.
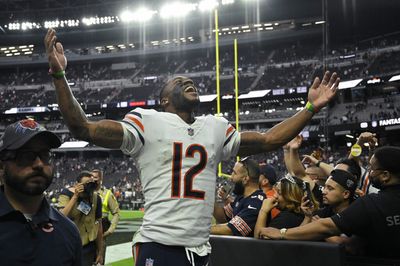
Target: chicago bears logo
x=149, y=262
x=48, y=228
x=28, y=123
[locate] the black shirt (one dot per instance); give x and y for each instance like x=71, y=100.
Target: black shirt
x=376, y=219
x=48, y=239
x=325, y=212
x=286, y=219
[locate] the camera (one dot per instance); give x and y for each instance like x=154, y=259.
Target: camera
x=89, y=187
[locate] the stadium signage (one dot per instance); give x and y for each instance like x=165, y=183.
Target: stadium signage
x=38, y=109
x=388, y=122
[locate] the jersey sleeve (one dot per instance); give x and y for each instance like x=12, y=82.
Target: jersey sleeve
x=231, y=141
x=133, y=126
x=243, y=223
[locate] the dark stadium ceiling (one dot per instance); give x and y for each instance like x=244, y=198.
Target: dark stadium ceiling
x=349, y=20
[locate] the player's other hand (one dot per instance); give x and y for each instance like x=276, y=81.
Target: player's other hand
x=55, y=52
x=321, y=92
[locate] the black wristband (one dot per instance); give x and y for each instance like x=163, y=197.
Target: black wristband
x=318, y=163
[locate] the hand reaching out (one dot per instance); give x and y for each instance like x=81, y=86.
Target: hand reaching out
x=367, y=137
x=55, y=52
x=321, y=92
x=295, y=143
x=309, y=159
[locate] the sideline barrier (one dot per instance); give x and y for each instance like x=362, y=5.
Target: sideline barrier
x=241, y=251
x=238, y=251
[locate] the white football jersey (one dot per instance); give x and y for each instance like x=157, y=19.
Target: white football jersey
x=178, y=164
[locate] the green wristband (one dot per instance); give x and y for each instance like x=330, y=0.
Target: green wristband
x=310, y=107
x=58, y=75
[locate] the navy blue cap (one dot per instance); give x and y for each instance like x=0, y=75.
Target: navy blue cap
x=17, y=134
x=269, y=172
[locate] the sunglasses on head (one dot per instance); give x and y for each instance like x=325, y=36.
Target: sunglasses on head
x=244, y=162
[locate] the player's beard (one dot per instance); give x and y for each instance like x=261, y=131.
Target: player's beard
x=238, y=189
x=181, y=103
x=19, y=183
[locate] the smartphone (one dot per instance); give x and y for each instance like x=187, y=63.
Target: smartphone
x=308, y=194
x=228, y=188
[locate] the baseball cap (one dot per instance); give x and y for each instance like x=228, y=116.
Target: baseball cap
x=345, y=179
x=17, y=134
x=269, y=172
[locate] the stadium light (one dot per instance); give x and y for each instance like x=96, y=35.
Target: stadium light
x=207, y=5
x=142, y=14
x=394, y=78
x=349, y=84
x=176, y=10
x=99, y=20
x=126, y=16
x=68, y=23
x=227, y=2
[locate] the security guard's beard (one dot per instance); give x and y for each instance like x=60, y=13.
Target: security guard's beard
x=376, y=182
x=23, y=185
x=181, y=103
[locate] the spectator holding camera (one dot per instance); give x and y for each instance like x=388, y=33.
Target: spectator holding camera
x=83, y=206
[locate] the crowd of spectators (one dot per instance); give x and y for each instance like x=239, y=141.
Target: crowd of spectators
x=284, y=66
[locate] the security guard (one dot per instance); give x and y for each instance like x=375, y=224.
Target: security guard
x=109, y=206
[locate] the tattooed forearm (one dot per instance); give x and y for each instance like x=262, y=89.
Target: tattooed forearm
x=73, y=115
x=104, y=133
x=107, y=133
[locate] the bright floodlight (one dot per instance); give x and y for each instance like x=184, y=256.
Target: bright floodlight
x=176, y=10
x=227, y=2
x=143, y=14
x=207, y=5
x=140, y=15
x=126, y=16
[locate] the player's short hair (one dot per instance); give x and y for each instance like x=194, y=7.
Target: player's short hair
x=252, y=167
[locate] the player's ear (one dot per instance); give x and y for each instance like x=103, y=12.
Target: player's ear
x=164, y=102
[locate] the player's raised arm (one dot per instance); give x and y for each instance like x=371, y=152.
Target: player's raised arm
x=105, y=133
x=319, y=95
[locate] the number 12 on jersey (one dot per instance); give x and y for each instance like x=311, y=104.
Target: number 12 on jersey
x=188, y=191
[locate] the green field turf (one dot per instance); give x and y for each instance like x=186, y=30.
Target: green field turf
x=126, y=262
x=130, y=215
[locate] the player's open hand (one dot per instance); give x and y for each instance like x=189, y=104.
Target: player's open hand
x=321, y=92
x=55, y=52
